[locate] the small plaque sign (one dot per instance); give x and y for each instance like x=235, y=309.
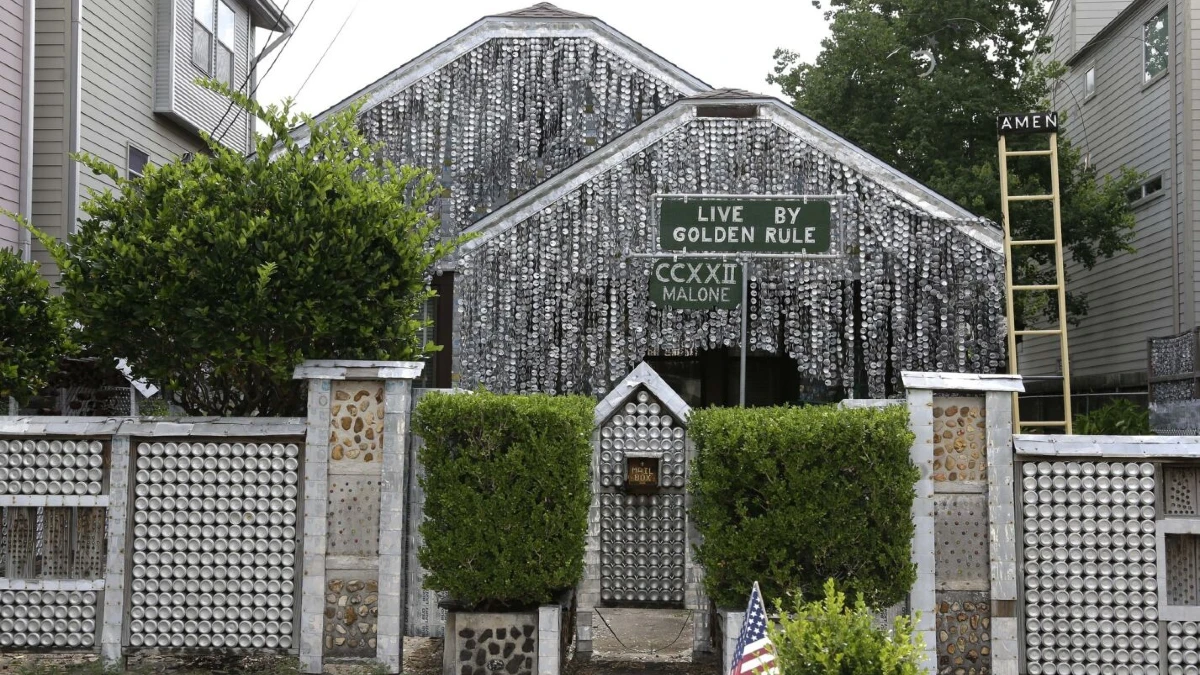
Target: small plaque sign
x=641, y=473
x=696, y=283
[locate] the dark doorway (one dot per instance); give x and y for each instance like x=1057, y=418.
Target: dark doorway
x=711, y=379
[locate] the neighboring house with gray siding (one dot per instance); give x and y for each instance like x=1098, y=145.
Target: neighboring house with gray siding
x=116, y=79
x=16, y=122
x=1130, y=101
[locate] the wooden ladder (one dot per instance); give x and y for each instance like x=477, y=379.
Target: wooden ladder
x=1059, y=285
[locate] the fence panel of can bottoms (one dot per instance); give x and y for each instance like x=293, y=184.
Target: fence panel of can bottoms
x=1090, y=568
x=214, y=544
x=54, y=620
x=53, y=467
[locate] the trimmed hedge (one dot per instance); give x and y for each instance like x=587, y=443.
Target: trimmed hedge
x=507, y=492
x=791, y=497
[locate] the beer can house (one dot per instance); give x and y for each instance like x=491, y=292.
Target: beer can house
x=623, y=210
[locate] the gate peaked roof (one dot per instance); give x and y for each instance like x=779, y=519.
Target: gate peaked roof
x=642, y=376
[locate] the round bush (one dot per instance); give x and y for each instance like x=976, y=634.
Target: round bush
x=507, y=493
x=790, y=497
x=828, y=636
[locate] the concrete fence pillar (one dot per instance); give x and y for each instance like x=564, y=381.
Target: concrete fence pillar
x=354, y=490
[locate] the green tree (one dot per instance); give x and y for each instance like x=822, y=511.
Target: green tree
x=33, y=330
x=216, y=276
x=919, y=84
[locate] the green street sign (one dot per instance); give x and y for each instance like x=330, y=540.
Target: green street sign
x=744, y=224
x=695, y=283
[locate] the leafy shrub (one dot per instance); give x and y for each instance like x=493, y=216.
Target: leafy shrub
x=507, y=493
x=33, y=330
x=215, y=277
x=1118, y=417
x=791, y=497
x=826, y=637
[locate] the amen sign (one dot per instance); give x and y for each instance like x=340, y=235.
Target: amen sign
x=745, y=224
x=1027, y=123
x=695, y=283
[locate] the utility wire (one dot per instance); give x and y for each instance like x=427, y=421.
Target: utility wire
x=282, y=49
x=327, y=48
x=249, y=72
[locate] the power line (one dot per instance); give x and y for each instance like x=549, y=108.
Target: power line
x=327, y=48
x=254, y=89
x=250, y=71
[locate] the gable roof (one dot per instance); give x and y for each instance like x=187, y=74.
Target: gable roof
x=682, y=112
x=641, y=376
x=540, y=20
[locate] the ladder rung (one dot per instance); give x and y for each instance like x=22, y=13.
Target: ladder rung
x=1043, y=424
x=1054, y=331
x=1037, y=287
x=1033, y=242
x=1030, y=198
x=1028, y=153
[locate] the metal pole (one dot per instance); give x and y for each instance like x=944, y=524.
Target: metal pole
x=745, y=331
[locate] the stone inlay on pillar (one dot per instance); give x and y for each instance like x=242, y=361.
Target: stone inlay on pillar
x=355, y=491
x=356, y=430
x=959, y=441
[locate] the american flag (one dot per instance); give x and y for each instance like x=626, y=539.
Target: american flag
x=754, y=654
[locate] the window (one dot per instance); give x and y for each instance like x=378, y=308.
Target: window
x=202, y=34
x=1089, y=83
x=1145, y=190
x=225, y=41
x=135, y=162
x=1156, y=46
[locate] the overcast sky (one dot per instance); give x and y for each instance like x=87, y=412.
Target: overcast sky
x=726, y=45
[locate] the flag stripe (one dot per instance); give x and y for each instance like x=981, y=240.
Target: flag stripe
x=754, y=654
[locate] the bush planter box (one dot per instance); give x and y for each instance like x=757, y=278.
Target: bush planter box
x=529, y=642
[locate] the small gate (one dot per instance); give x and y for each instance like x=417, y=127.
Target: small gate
x=639, y=536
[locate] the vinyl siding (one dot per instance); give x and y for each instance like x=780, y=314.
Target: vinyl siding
x=1093, y=15
x=12, y=84
x=196, y=106
x=117, y=90
x=1130, y=296
x=50, y=136
x=1060, y=27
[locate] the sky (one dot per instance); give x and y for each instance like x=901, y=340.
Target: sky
x=729, y=44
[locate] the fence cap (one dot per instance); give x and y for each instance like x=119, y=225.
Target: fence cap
x=358, y=370
x=962, y=381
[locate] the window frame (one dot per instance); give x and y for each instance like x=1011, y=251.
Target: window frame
x=1147, y=78
x=220, y=44
x=1089, y=74
x=1147, y=195
x=210, y=30
x=130, y=174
